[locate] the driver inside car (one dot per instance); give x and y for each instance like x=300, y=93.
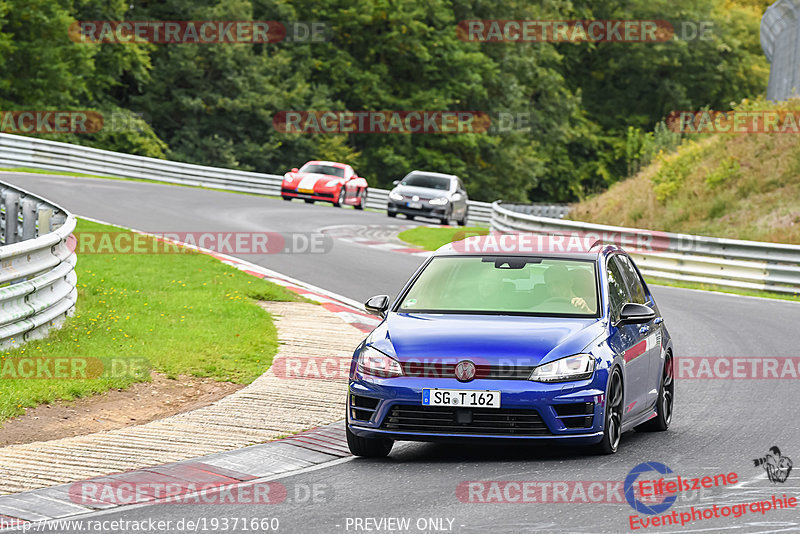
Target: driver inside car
x=559, y=284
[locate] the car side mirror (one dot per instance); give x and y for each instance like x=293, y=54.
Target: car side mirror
x=632, y=313
x=378, y=305
x=456, y=196
x=295, y=169
x=396, y=182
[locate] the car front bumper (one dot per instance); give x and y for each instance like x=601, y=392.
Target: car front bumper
x=520, y=400
x=327, y=196
x=425, y=211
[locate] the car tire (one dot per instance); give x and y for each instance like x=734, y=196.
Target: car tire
x=309, y=200
x=368, y=447
x=463, y=221
x=287, y=198
x=362, y=200
x=666, y=400
x=340, y=200
x=612, y=429
x=410, y=217
x=391, y=213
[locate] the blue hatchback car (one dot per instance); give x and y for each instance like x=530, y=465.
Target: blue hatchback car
x=513, y=345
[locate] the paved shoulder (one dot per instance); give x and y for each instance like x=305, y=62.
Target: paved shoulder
x=276, y=404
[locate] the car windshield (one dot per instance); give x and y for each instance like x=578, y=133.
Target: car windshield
x=427, y=181
x=323, y=169
x=505, y=286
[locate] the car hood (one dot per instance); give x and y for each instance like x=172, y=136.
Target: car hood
x=422, y=192
x=489, y=339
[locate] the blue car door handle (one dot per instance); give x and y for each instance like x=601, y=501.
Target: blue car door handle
x=645, y=329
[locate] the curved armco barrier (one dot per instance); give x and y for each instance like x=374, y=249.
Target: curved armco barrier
x=37, y=274
x=682, y=257
x=19, y=151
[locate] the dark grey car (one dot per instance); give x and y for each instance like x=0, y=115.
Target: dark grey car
x=429, y=194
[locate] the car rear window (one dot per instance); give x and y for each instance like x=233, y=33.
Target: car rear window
x=324, y=169
x=427, y=181
x=498, y=285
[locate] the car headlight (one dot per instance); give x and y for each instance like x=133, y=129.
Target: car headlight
x=376, y=363
x=288, y=179
x=395, y=196
x=577, y=367
x=439, y=201
x=332, y=183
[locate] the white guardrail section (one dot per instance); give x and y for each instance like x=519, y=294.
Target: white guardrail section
x=679, y=257
x=20, y=151
x=37, y=266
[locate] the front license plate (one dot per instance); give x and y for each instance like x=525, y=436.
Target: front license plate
x=415, y=205
x=461, y=397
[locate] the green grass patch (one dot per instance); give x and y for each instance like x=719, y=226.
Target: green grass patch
x=433, y=238
x=184, y=313
x=60, y=173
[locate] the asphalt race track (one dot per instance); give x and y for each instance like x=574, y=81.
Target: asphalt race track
x=719, y=426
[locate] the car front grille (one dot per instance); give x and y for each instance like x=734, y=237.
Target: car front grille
x=448, y=370
x=446, y=420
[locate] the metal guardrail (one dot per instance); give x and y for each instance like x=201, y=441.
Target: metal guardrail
x=779, y=28
x=37, y=266
x=20, y=151
x=679, y=257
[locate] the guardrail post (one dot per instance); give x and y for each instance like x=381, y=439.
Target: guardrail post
x=10, y=208
x=43, y=221
x=28, y=214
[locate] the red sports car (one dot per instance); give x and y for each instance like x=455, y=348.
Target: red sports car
x=327, y=181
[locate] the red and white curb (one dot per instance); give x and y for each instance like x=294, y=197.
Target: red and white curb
x=231, y=477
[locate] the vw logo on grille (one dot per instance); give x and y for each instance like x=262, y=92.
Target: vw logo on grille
x=465, y=371
x=415, y=198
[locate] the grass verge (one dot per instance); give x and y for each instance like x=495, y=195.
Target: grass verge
x=722, y=289
x=432, y=238
x=181, y=313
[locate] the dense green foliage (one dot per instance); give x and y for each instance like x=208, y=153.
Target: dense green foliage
x=586, y=106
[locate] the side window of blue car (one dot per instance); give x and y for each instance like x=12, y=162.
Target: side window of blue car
x=617, y=292
x=634, y=283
